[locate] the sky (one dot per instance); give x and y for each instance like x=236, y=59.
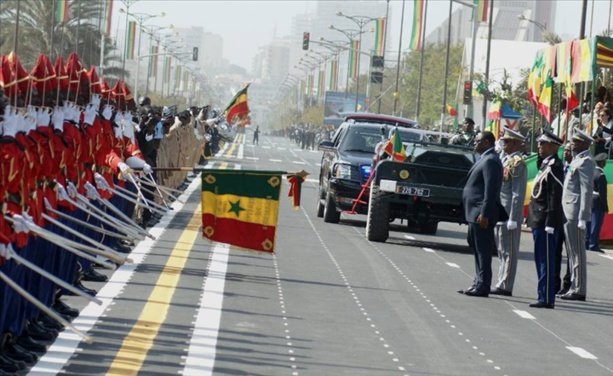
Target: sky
x=247, y=25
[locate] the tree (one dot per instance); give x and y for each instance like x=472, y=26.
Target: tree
x=41, y=33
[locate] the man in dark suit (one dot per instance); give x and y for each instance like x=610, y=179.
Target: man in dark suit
x=545, y=216
x=482, y=209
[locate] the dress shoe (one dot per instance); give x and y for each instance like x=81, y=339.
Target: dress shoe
x=62, y=308
x=478, y=293
x=31, y=344
x=471, y=288
x=86, y=290
x=39, y=332
x=121, y=248
x=573, y=296
x=562, y=291
x=16, y=352
x=10, y=365
x=542, y=305
x=93, y=276
x=499, y=291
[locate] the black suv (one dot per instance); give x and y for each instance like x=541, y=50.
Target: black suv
x=347, y=159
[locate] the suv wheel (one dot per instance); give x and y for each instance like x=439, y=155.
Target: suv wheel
x=320, y=206
x=330, y=214
x=377, y=220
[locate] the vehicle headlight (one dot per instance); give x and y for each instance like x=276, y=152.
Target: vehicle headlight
x=342, y=171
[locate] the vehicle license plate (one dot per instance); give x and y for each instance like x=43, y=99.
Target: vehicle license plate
x=422, y=192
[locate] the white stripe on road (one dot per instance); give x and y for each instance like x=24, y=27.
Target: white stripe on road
x=409, y=237
x=202, y=347
x=280, y=148
x=581, y=352
x=453, y=265
x=524, y=314
x=241, y=148
x=276, y=160
x=265, y=147
x=299, y=162
x=312, y=180
x=607, y=256
x=253, y=158
x=237, y=167
x=432, y=251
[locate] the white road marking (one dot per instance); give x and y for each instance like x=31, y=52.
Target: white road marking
x=241, y=148
x=299, y=162
x=409, y=237
x=237, y=167
x=265, y=147
x=276, y=160
x=581, y=352
x=312, y=180
x=253, y=158
x=432, y=251
x=607, y=256
x=202, y=347
x=280, y=148
x=65, y=345
x=524, y=314
x=453, y=265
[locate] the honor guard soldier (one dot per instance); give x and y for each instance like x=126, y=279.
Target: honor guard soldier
x=467, y=136
x=577, y=205
x=512, y=194
x=545, y=216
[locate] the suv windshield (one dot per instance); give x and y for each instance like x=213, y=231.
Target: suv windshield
x=365, y=138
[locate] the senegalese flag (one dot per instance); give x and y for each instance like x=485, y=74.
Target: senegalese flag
x=535, y=78
x=451, y=111
x=333, y=75
x=152, y=53
x=241, y=207
x=418, y=25
x=481, y=10
x=238, y=106
x=156, y=52
x=131, y=39
x=310, y=83
x=168, y=68
x=108, y=17
x=61, y=11
x=321, y=83
x=394, y=147
x=544, y=104
x=380, y=28
x=177, y=76
x=353, y=58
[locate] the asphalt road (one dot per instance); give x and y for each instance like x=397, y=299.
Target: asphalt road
x=329, y=302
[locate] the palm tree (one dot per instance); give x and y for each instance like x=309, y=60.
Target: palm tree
x=44, y=34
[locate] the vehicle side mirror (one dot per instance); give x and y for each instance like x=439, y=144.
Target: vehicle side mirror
x=325, y=146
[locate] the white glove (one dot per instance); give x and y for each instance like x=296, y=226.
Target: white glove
x=6, y=250
x=581, y=224
x=68, y=111
x=95, y=100
x=43, y=117
x=148, y=137
x=549, y=230
x=127, y=117
x=31, y=110
x=101, y=182
x=89, y=114
x=10, y=122
x=147, y=169
x=511, y=225
x=72, y=190
x=125, y=170
x=91, y=191
x=61, y=192
x=107, y=112
x=118, y=118
x=57, y=118
x=21, y=122
x=20, y=224
x=30, y=123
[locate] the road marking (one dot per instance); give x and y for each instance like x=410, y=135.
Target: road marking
x=237, y=166
x=136, y=345
x=230, y=150
x=280, y=148
x=409, y=237
x=607, y=257
x=524, y=314
x=223, y=165
x=432, y=251
x=240, y=151
x=253, y=158
x=276, y=160
x=299, y=162
x=265, y=147
x=312, y=180
x=581, y=352
x=453, y=265
x=202, y=347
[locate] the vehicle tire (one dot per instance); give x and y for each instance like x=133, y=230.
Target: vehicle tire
x=330, y=213
x=429, y=228
x=320, y=208
x=377, y=220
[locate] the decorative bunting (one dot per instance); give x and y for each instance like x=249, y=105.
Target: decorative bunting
x=108, y=17
x=353, y=58
x=333, y=75
x=131, y=39
x=380, y=34
x=418, y=25
x=61, y=11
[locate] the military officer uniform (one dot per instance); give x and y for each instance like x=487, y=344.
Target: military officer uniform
x=577, y=206
x=512, y=194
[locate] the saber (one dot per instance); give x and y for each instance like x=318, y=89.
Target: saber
x=48, y=311
x=150, y=181
x=140, y=196
x=14, y=255
x=64, y=243
x=89, y=225
x=161, y=189
x=126, y=227
x=139, y=193
x=157, y=194
x=133, y=200
x=125, y=218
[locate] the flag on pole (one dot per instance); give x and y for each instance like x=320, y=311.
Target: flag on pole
x=333, y=75
x=168, y=68
x=177, y=76
x=321, y=83
x=310, y=84
x=451, y=110
x=61, y=11
x=380, y=31
x=108, y=17
x=130, y=42
x=156, y=51
x=353, y=58
x=418, y=25
x=241, y=208
x=238, y=106
x=544, y=102
x=481, y=10
x=394, y=147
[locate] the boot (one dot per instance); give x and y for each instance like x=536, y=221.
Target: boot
x=10, y=365
x=62, y=308
x=31, y=344
x=16, y=352
x=93, y=276
x=37, y=331
x=49, y=323
x=86, y=290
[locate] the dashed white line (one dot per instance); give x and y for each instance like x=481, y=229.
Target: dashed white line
x=265, y=147
x=299, y=162
x=607, y=257
x=453, y=265
x=581, y=352
x=253, y=158
x=276, y=160
x=428, y=250
x=409, y=237
x=524, y=314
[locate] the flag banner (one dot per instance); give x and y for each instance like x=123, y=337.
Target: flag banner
x=535, y=79
x=165, y=71
x=333, y=75
x=418, y=23
x=481, y=10
x=451, y=111
x=603, y=47
x=321, y=83
x=238, y=106
x=544, y=103
x=156, y=51
x=353, y=58
x=150, y=64
x=380, y=34
x=61, y=11
x=108, y=17
x=241, y=208
x=177, y=76
x=131, y=38
x=310, y=84
x=168, y=68
x=394, y=147
x=295, y=188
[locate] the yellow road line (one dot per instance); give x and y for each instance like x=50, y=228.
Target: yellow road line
x=230, y=150
x=223, y=165
x=138, y=342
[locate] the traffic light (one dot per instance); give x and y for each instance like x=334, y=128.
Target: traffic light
x=468, y=93
x=195, y=54
x=305, y=40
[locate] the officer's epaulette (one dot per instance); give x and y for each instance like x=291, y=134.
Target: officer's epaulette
x=515, y=161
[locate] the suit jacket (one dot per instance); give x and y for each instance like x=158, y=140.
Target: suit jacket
x=481, y=195
x=579, y=188
x=545, y=209
x=600, y=200
x=513, y=191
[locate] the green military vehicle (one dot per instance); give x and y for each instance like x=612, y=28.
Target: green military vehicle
x=424, y=189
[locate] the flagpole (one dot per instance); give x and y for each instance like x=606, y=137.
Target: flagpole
x=52, y=31
x=487, y=61
x=446, y=68
x=421, y=61
x=387, y=11
x=398, y=61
